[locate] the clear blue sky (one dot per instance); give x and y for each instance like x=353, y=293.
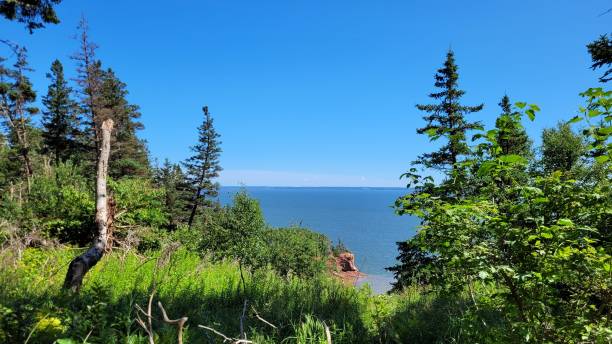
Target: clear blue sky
x=322, y=92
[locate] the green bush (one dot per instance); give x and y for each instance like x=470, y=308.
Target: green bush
x=297, y=251
x=138, y=203
x=62, y=202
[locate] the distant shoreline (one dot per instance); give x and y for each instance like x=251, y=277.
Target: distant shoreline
x=316, y=187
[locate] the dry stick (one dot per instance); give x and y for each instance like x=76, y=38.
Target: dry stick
x=327, y=334
x=148, y=327
x=178, y=322
x=262, y=319
x=226, y=338
x=242, y=334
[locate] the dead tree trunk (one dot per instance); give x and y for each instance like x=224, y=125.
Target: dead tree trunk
x=81, y=264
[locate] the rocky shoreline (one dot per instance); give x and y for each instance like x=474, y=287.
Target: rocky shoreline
x=343, y=267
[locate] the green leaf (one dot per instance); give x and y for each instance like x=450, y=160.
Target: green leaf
x=431, y=132
x=593, y=113
x=520, y=105
x=602, y=158
x=546, y=235
x=65, y=341
x=531, y=114
x=512, y=159
x=485, y=168
x=483, y=275
x=565, y=222
x=575, y=119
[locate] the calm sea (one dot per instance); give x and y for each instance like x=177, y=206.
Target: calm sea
x=362, y=218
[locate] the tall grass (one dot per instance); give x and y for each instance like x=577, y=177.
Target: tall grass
x=212, y=294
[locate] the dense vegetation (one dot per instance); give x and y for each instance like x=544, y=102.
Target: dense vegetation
x=526, y=236
x=514, y=244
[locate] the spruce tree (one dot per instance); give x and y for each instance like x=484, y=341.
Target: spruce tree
x=60, y=120
x=90, y=78
x=511, y=136
x=203, y=167
x=172, y=180
x=34, y=13
x=16, y=107
x=446, y=119
x=601, y=54
x=129, y=156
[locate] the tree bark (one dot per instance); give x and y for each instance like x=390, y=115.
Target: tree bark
x=194, y=207
x=81, y=264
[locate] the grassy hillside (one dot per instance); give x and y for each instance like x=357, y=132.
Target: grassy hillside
x=32, y=304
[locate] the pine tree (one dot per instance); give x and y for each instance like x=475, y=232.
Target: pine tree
x=203, y=167
x=60, y=120
x=90, y=78
x=511, y=137
x=601, y=54
x=171, y=178
x=129, y=156
x=34, y=13
x=16, y=98
x=446, y=119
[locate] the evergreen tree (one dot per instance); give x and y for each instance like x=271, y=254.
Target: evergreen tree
x=90, y=79
x=34, y=13
x=171, y=178
x=511, y=137
x=60, y=120
x=203, y=167
x=16, y=109
x=601, y=54
x=446, y=119
x=129, y=156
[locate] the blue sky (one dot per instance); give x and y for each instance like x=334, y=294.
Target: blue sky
x=319, y=92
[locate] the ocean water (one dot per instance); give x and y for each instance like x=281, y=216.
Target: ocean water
x=362, y=218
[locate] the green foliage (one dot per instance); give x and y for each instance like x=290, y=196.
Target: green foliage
x=447, y=119
x=129, y=155
x=511, y=136
x=209, y=294
x=236, y=232
x=138, y=203
x=239, y=232
x=171, y=178
x=204, y=166
x=62, y=201
x=296, y=251
x=562, y=149
x=34, y=13
x=60, y=121
x=536, y=247
x=601, y=54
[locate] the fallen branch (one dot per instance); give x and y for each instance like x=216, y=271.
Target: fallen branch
x=178, y=322
x=262, y=319
x=226, y=338
x=148, y=327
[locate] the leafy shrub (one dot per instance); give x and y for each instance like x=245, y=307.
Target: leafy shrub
x=63, y=202
x=138, y=203
x=536, y=247
x=297, y=251
x=236, y=232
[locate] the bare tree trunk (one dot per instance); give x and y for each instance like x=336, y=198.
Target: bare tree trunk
x=81, y=264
